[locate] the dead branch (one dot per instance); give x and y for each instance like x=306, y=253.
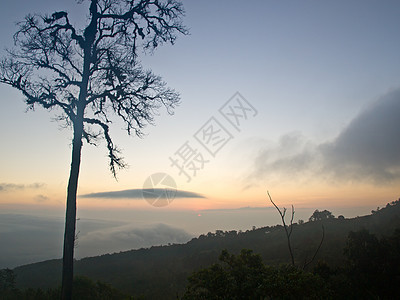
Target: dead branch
x=288, y=233
x=316, y=251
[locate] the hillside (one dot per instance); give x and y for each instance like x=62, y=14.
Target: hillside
x=162, y=271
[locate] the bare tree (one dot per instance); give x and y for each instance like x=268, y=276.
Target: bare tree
x=307, y=263
x=91, y=73
x=289, y=230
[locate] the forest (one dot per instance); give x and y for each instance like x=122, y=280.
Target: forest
x=334, y=257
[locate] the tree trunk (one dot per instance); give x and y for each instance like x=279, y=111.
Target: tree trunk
x=70, y=217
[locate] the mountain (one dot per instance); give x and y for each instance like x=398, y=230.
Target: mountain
x=161, y=272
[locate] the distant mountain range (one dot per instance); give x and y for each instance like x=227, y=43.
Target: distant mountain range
x=161, y=272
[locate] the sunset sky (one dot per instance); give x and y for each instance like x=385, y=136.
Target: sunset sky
x=321, y=81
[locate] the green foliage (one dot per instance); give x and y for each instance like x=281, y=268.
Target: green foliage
x=373, y=264
x=361, y=246
x=246, y=277
x=84, y=289
x=371, y=272
x=237, y=276
x=161, y=272
x=8, y=288
x=7, y=280
x=290, y=282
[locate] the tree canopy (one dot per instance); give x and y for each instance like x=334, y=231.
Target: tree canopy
x=245, y=276
x=95, y=72
x=321, y=215
x=90, y=74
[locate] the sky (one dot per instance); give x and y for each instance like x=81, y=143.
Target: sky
x=316, y=91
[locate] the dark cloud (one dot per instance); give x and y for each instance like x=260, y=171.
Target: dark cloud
x=138, y=194
x=13, y=186
x=368, y=149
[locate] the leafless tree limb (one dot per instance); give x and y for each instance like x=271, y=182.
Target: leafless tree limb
x=91, y=74
x=287, y=231
x=307, y=263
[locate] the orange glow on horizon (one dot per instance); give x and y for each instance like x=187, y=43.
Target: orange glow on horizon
x=312, y=195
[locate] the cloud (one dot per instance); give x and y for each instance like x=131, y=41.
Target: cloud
x=291, y=156
x=41, y=198
x=129, y=237
x=243, y=209
x=368, y=149
x=27, y=239
x=12, y=186
x=138, y=194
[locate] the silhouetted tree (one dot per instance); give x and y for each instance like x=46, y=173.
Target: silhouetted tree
x=89, y=74
x=321, y=215
x=289, y=230
x=373, y=264
x=7, y=280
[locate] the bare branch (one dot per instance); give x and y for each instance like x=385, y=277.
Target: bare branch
x=14, y=74
x=113, y=152
x=285, y=226
x=55, y=27
x=291, y=221
x=51, y=46
x=93, y=71
x=317, y=250
x=156, y=22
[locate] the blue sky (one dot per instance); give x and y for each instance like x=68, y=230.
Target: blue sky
x=314, y=71
x=309, y=68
